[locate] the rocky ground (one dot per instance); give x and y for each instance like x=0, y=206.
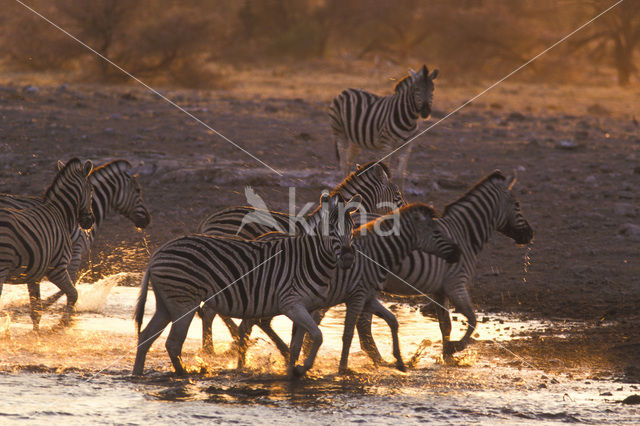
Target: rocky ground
x=576, y=152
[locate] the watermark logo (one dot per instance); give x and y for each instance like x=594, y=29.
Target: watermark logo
x=312, y=218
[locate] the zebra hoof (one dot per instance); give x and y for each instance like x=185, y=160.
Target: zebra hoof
x=400, y=366
x=296, y=372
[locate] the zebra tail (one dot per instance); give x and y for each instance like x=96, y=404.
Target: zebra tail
x=335, y=144
x=142, y=300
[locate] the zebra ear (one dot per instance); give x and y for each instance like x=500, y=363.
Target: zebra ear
x=380, y=172
x=324, y=198
x=353, y=204
x=434, y=74
x=424, y=71
x=88, y=168
x=413, y=74
x=60, y=165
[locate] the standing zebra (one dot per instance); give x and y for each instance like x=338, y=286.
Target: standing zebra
x=245, y=279
x=35, y=242
x=371, y=181
x=386, y=241
x=470, y=221
x=360, y=119
x=115, y=189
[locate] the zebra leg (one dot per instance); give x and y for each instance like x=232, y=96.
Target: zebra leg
x=444, y=321
x=462, y=302
x=175, y=340
x=374, y=306
x=149, y=335
x=302, y=322
x=317, y=316
x=354, y=308
x=36, y=304
x=367, y=343
x=242, y=341
x=401, y=167
x=51, y=300
x=207, y=315
x=64, y=283
x=346, y=152
x=265, y=325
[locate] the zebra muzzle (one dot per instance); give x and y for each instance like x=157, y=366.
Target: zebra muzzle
x=346, y=258
x=86, y=221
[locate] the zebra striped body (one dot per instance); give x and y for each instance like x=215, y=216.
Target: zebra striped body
x=114, y=190
x=35, y=242
x=470, y=221
x=382, y=245
x=244, y=279
x=371, y=181
x=360, y=119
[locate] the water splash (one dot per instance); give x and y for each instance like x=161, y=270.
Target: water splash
x=526, y=262
x=93, y=298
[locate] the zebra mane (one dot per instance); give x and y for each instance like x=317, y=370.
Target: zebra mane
x=403, y=84
x=72, y=165
x=115, y=164
x=354, y=175
x=496, y=174
x=400, y=211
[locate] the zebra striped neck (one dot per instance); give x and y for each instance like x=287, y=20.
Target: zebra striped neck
x=107, y=184
x=407, y=113
x=471, y=222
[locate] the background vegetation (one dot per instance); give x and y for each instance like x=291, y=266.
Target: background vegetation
x=193, y=43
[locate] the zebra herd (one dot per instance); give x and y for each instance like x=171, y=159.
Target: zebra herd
x=362, y=239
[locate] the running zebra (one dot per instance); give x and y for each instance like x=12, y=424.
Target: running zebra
x=245, y=279
x=380, y=245
x=371, y=181
x=115, y=189
x=360, y=119
x=35, y=242
x=470, y=222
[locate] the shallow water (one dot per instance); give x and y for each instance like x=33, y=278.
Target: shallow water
x=82, y=375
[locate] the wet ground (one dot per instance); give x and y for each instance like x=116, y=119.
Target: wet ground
x=82, y=374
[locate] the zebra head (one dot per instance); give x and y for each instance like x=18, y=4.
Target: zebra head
x=338, y=225
x=129, y=200
x=428, y=235
x=422, y=89
x=511, y=221
x=78, y=177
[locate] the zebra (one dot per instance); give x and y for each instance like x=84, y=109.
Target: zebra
x=115, y=189
x=35, y=242
x=360, y=119
x=384, y=241
x=470, y=221
x=254, y=279
x=371, y=181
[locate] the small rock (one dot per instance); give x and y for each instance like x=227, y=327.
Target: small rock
x=271, y=108
x=495, y=105
x=62, y=88
x=630, y=231
x=567, y=145
x=109, y=131
x=590, y=179
x=116, y=116
x=550, y=127
x=632, y=399
x=516, y=116
x=129, y=96
x=31, y=90
x=636, y=170
x=606, y=394
x=626, y=209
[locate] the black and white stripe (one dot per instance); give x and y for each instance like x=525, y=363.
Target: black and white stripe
x=378, y=194
x=115, y=189
x=360, y=119
x=470, y=221
x=223, y=273
x=35, y=242
x=371, y=181
x=386, y=242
